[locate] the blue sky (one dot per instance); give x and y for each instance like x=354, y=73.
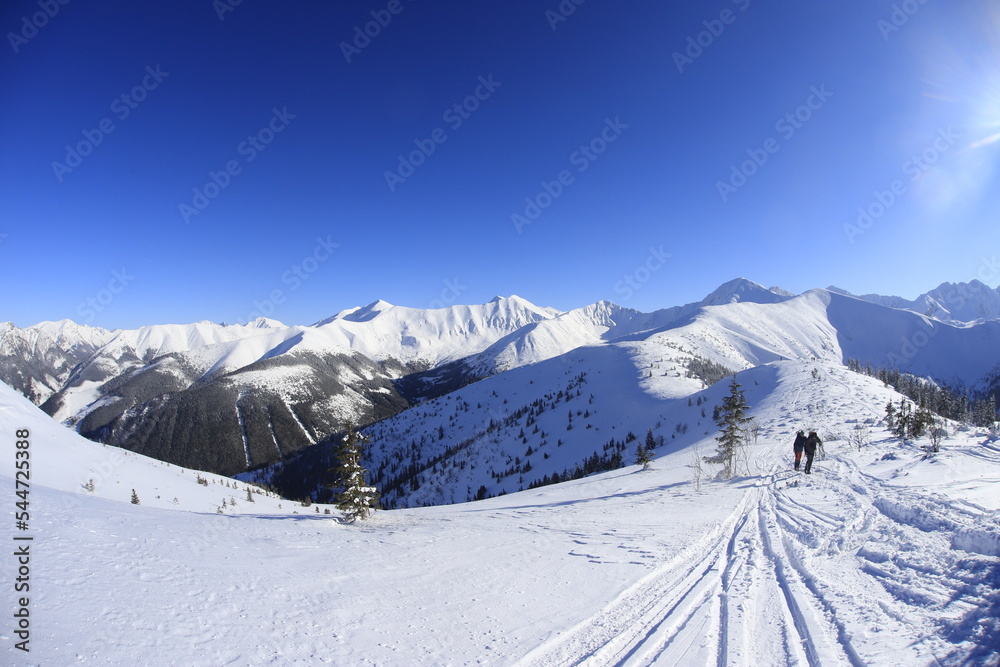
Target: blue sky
x=174, y=162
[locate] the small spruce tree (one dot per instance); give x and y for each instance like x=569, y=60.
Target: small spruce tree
x=904, y=416
x=356, y=499
x=890, y=415
x=643, y=456
x=731, y=418
x=135, y=497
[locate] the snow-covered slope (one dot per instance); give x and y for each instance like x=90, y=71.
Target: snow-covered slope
x=60, y=459
x=856, y=564
x=949, y=302
x=959, y=354
x=825, y=325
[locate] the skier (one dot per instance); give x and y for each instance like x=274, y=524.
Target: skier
x=810, y=446
x=800, y=443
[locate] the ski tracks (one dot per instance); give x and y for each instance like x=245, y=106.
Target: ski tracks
x=674, y=611
x=738, y=596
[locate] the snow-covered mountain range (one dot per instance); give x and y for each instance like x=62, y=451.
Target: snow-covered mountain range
x=237, y=398
x=973, y=301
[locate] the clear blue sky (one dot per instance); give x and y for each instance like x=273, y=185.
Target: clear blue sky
x=301, y=132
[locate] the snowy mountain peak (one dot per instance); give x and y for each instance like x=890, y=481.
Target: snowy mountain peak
x=606, y=313
x=515, y=302
x=68, y=329
x=265, y=323
x=948, y=302
x=742, y=289
x=367, y=313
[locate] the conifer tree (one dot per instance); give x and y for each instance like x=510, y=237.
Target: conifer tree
x=356, y=499
x=643, y=456
x=135, y=497
x=890, y=415
x=919, y=422
x=731, y=417
x=903, y=418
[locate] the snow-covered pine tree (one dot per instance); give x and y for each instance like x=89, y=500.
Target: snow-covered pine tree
x=643, y=456
x=904, y=415
x=731, y=418
x=890, y=415
x=356, y=499
x=135, y=497
x=984, y=411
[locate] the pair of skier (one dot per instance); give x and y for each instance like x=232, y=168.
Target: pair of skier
x=808, y=445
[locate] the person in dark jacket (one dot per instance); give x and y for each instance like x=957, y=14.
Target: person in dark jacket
x=799, y=447
x=811, y=443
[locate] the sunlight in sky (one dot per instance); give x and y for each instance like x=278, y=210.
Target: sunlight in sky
x=962, y=89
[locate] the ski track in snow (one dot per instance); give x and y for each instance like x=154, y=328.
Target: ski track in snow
x=754, y=588
x=748, y=590
x=722, y=601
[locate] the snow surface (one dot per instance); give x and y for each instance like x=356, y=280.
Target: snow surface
x=883, y=556
x=973, y=301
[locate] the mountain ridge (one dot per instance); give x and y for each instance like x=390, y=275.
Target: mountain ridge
x=232, y=398
x=969, y=302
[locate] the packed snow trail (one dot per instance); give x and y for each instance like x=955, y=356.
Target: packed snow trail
x=730, y=599
x=769, y=585
x=833, y=568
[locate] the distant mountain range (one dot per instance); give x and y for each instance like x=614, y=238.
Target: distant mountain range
x=238, y=398
x=950, y=302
